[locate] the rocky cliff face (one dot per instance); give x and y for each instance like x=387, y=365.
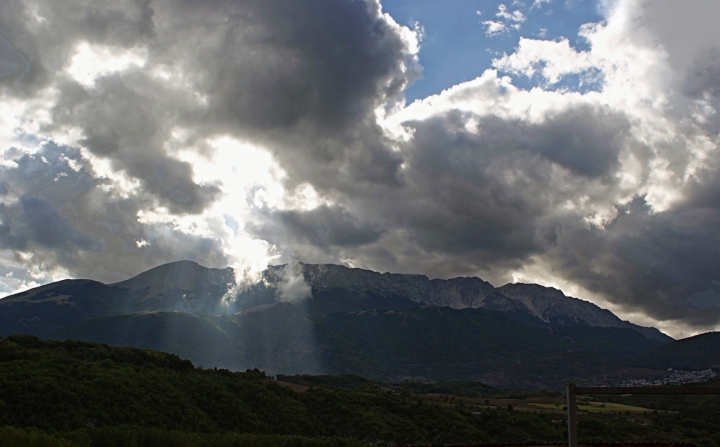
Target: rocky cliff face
x=553, y=307
x=550, y=306
x=457, y=293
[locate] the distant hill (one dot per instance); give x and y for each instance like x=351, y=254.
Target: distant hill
x=692, y=353
x=310, y=319
x=44, y=310
x=179, y=286
x=528, y=303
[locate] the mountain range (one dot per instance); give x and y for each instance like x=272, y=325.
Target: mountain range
x=311, y=319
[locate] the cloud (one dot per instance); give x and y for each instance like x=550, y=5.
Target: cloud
x=11, y=62
x=514, y=16
x=539, y=3
x=493, y=28
x=551, y=59
x=611, y=189
x=291, y=285
x=512, y=20
x=138, y=132
x=60, y=219
x=324, y=227
x=149, y=97
x=633, y=231
x=35, y=221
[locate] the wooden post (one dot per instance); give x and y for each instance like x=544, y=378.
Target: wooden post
x=572, y=416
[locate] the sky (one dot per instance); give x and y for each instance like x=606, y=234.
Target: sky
x=570, y=143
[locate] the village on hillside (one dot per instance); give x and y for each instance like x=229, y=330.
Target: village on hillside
x=673, y=377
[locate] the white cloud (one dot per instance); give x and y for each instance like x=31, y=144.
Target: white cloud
x=514, y=16
x=540, y=3
x=512, y=20
x=493, y=28
x=552, y=59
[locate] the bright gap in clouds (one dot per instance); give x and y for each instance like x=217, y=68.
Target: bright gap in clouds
x=93, y=61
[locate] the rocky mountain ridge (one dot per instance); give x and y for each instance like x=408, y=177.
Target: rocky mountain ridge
x=331, y=319
x=320, y=289
x=554, y=307
x=546, y=304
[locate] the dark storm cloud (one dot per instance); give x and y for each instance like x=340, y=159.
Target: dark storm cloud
x=324, y=227
x=492, y=188
x=654, y=262
x=56, y=207
x=31, y=219
x=495, y=198
x=121, y=120
x=35, y=221
x=302, y=79
x=305, y=76
x=480, y=194
x=45, y=32
x=327, y=63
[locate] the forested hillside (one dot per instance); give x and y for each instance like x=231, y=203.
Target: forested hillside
x=90, y=394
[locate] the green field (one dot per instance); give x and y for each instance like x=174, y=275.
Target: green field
x=598, y=407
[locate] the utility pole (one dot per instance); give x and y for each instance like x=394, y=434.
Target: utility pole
x=572, y=416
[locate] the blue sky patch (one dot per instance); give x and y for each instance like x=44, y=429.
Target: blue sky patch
x=456, y=46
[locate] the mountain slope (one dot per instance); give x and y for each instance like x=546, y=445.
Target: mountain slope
x=692, y=353
x=436, y=343
x=279, y=339
x=555, y=308
x=340, y=320
x=184, y=286
x=205, y=340
x=338, y=288
x=431, y=343
x=43, y=310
